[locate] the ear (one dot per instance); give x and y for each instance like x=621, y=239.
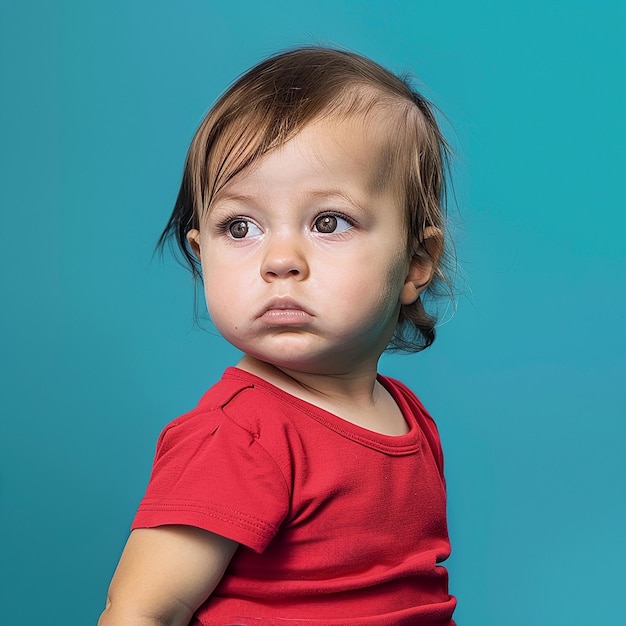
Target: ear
x=422, y=265
x=193, y=238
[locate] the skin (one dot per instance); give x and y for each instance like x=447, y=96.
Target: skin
x=313, y=311
x=164, y=575
x=305, y=268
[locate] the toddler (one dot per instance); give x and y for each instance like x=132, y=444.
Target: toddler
x=305, y=487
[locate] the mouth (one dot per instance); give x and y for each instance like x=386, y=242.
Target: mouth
x=284, y=312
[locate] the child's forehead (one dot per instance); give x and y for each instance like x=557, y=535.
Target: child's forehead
x=368, y=123
x=359, y=129
x=366, y=137
x=342, y=154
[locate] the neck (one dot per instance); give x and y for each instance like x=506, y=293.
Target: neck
x=354, y=387
x=356, y=397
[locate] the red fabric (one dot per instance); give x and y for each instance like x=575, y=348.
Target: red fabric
x=338, y=524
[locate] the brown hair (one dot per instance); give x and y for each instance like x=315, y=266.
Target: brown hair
x=274, y=101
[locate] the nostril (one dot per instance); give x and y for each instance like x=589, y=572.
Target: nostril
x=283, y=262
x=277, y=274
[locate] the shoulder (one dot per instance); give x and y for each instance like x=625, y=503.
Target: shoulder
x=217, y=469
x=413, y=409
x=403, y=394
x=234, y=388
x=238, y=413
x=238, y=397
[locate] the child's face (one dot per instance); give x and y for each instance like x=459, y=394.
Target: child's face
x=304, y=255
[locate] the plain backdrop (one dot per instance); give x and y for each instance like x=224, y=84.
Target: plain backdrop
x=99, y=349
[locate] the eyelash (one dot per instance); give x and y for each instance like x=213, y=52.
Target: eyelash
x=224, y=225
x=343, y=216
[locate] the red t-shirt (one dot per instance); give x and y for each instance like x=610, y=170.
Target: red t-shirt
x=337, y=524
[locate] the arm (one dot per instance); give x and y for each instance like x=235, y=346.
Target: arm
x=164, y=575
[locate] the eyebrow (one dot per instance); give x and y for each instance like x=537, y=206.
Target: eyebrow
x=236, y=197
x=331, y=193
x=311, y=194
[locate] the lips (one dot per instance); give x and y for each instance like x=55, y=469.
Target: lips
x=284, y=312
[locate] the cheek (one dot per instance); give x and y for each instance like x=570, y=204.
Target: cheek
x=392, y=269
x=375, y=288
x=223, y=292
x=229, y=292
x=219, y=288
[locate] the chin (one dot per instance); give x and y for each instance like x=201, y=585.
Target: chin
x=317, y=364
x=291, y=357
x=301, y=353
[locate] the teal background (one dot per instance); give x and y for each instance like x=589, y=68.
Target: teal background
x=99, y=350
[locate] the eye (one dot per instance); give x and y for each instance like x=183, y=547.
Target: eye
x=240, y=229
x=331, y=223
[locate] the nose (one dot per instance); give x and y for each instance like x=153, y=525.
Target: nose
x=284, y=258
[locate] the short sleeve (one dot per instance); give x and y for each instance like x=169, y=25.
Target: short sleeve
x=212, y=473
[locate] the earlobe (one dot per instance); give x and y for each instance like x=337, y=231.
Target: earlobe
x=422, y=265
x=193, y=239
x=409, y=293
